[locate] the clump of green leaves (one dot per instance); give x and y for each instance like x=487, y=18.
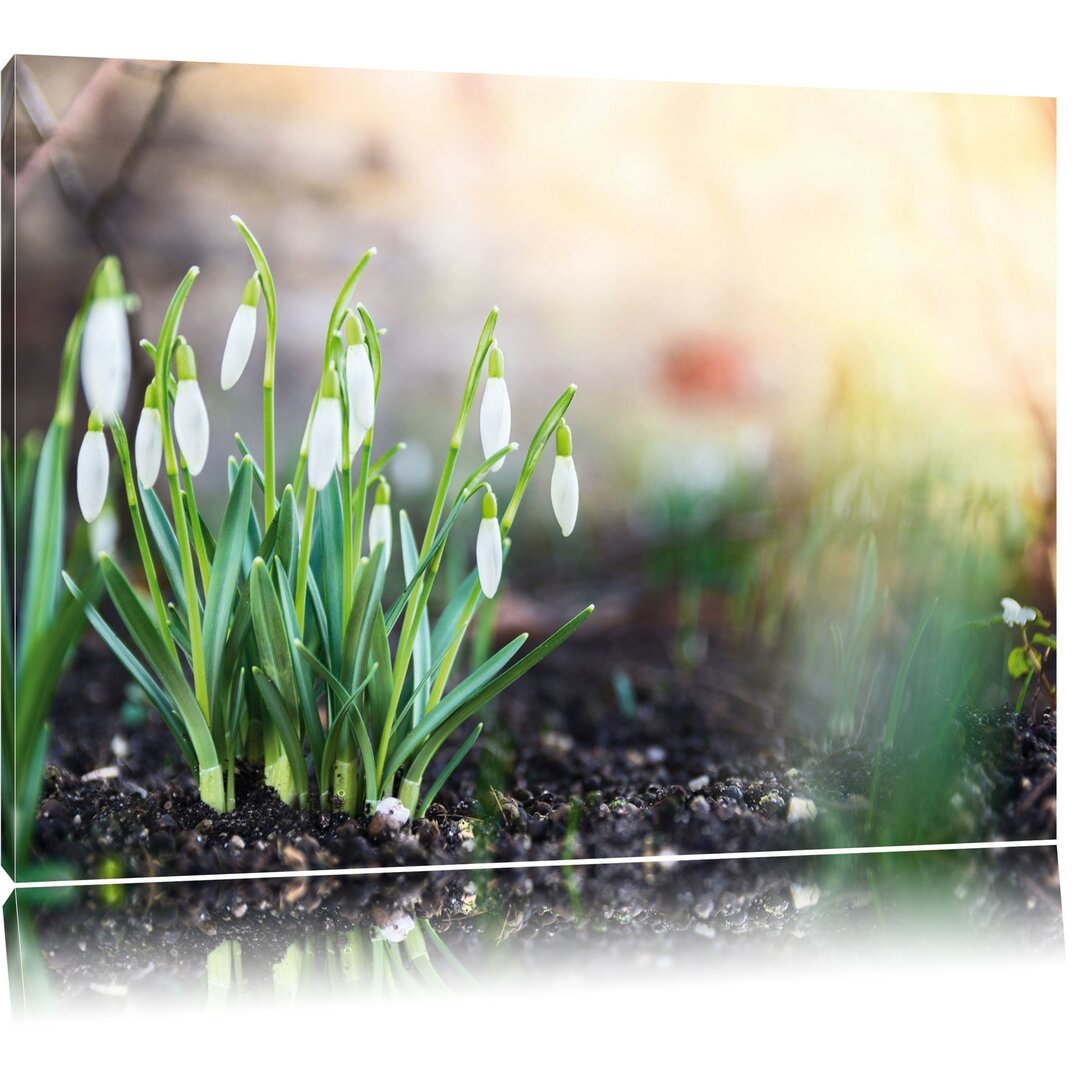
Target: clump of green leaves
x=282, y=642
x=41, y=622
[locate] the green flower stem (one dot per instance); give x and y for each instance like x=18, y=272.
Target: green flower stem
x=358, y=503
x=305, y=558
x=196, y=527
x=348, y=555
x=301, y=460
x=269, y=291
x=131, y=491
x=163, y=361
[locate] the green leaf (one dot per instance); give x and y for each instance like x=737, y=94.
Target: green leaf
x=472, y=685
x=1049, y=641
x=280, y=717
x=245, y=452
x=491, y=689
x=362, y=617
x=275, y=652
x=287, y=545
x=331, y=529
x=445, y=775
x=1019, y=664
x=224, y=575
x=158, y=698
x=157, y=655
x=897, y=699
x=305, y=695
x=167, y=545
x=421, y=654
x=44, y=554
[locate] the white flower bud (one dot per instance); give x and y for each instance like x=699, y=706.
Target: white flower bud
x=489, y=548
x=92, y=471
x=360, y=381
x=324, y=449
x=192, y=425
x=106, y=356
x=238, y=345
x=148, y=446
x=381, y=524
x=564, y=482
x=495, y=409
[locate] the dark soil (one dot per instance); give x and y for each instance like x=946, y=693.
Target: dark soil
x=605, y=750
x=155, y=939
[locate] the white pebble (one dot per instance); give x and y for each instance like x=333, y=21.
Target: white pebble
x=801, y=809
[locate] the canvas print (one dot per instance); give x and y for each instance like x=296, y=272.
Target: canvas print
x=408, y=468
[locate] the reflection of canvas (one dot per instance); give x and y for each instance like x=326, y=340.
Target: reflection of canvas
x=770, y=382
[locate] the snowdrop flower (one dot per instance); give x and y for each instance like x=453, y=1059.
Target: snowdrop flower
x=106, y=347
x=360, y=382
x=324, y=447
x=92, y=469
x=148, y=439
x=105, y=531
x=380, y=524
x=495, y=408
x=241, y=336
x=191, y=421
x=489, y=547
x=564, y=482
x=1012, y=614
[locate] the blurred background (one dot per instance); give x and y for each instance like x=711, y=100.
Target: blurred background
x=813, y=331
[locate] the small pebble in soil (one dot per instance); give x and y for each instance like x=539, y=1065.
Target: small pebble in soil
x=699, y=783
x=804, y=896
x=801, y=809
x=397, y=927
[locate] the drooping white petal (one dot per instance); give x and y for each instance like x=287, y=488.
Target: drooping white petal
x=148, y=447
x=360, y=380
x=106, y=357
x=92, y=474
x=324, y=448
x=489, y=555
x=238, y=346
x=564, y=493
x=381, y=530
x=104, y=531
x=1012, y=614
x=495, y=418
x=192, y=424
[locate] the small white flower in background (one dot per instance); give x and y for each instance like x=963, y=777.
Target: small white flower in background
x=105, y=531
x=92, y=469
x=1012, y=614
x=148, y=439
x=394, y=811
x=106, y=348
x=190, y=418
x=324, y=447
x=360, y=382
x=241, y=336
x=495, y=408
x=381, y=524
x=564, y=481
x=397, y=929
x=489, y=547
